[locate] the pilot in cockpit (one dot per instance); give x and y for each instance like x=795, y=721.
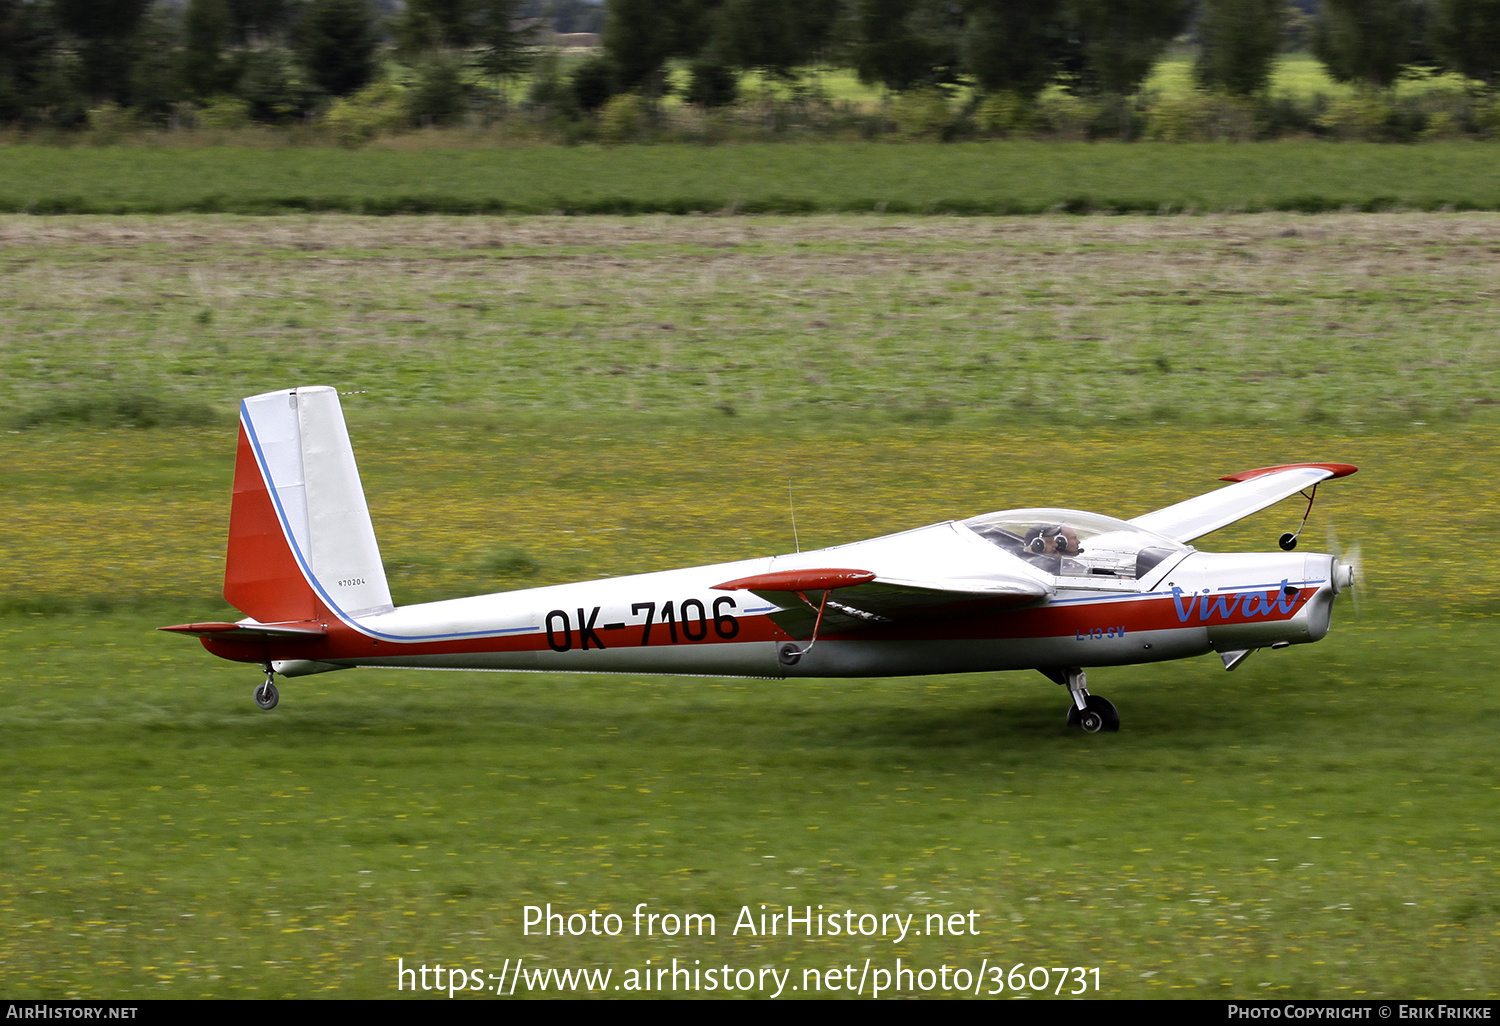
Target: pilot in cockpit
x=1049, y=546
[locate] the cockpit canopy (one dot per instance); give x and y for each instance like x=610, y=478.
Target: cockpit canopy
x=1072, y=543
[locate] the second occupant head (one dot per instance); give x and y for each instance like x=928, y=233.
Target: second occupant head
x=1052, y=540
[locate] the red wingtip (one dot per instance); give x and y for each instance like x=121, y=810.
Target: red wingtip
x=1334, y=470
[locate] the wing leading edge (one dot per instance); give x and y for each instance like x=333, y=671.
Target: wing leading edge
x=1252, y=491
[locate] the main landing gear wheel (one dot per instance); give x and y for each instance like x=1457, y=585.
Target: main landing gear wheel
x=1101, y=716
x=1097, y=715
x=266, y=695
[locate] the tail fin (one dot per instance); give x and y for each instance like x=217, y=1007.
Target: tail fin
x=301, y=545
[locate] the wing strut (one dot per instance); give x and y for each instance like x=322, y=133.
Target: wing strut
x=1288, y=541
x=791, y=654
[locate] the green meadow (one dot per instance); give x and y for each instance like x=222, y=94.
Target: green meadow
x=1263, y=320
x=544, y=399
x=957, y=178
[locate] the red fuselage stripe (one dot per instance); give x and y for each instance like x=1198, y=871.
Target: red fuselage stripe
x=1153, y=613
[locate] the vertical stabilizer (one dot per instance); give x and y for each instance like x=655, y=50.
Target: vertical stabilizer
x=300, y=537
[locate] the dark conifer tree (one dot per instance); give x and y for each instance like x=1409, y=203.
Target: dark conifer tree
x=205, y=31
x=503, y=40
x=156, y=82
x=337, y=44
x=1117, y=42
x=1371, y=42
x=905, y=43
x=776, y=36
x=640, y=36
x=1013, y=45
x=105, y=31
x=27, y=37
x=440, y=23
x=1467, y=37
x=1240, y=42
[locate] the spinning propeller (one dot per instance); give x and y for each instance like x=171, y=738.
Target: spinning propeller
x=1348, y=568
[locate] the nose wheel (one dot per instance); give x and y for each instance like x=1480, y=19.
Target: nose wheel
x=266, y=695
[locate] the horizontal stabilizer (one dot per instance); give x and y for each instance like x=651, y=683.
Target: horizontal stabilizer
x=248, y=631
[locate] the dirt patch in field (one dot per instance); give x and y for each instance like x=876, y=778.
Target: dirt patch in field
x=333, y=231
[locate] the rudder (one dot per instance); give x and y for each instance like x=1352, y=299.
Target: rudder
x=301, y=544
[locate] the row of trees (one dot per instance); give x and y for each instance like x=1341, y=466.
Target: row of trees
x=1021, y=47
x=58, y=58
x=282, y=60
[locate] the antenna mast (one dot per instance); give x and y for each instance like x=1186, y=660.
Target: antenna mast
x=793, y=509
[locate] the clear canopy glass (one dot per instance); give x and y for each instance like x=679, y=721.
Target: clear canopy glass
x=1072, y=543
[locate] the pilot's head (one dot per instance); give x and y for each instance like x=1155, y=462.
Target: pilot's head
x=1053, y=540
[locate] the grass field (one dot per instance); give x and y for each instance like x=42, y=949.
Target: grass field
x=957, y=178
x=1339, y=321
x=1318, y=824
x=554, y=399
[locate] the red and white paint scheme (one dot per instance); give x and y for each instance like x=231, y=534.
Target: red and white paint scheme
x=1055, y=590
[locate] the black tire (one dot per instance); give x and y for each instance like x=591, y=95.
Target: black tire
x=1101, y=717
x=266, y=696
x=1109, y=716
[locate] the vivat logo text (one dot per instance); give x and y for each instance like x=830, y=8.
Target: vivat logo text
x=1282, y=599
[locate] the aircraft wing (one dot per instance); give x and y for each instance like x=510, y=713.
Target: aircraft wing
x=1252, y=491
x=862, y=598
